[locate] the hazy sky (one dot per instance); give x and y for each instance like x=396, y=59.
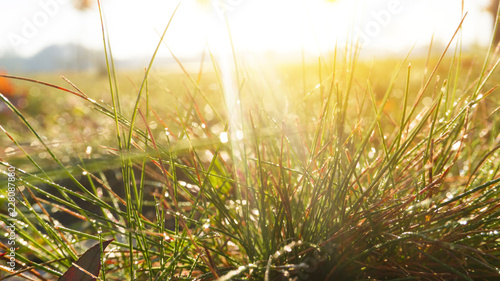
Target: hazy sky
x=257, y=25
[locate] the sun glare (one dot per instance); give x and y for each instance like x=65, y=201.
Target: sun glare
x=279, y=26
x=314, y=26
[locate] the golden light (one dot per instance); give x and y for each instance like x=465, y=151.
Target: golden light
x=257, y=26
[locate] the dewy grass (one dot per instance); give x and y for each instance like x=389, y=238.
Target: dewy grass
x=356, y=179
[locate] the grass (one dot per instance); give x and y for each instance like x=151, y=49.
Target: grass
x=339, y=169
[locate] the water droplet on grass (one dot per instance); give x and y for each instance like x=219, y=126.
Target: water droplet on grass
x=456, y=146
x=224, y=137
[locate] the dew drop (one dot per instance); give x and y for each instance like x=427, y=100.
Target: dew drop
x=88, y=151
x=456, y=146
x=224, y=137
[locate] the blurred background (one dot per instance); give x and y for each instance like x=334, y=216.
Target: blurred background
x=43, y=39
x=54, y=35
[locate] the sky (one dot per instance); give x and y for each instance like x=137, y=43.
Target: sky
x=278, y=26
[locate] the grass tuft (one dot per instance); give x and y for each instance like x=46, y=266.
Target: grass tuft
x=362, y=176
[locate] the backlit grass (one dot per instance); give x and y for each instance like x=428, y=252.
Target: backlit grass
x=342, y=169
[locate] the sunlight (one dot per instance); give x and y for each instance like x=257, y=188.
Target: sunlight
x=315, y=26
x=280, y=27
x=256, y=140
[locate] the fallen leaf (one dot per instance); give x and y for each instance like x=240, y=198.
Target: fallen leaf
x=87, y=267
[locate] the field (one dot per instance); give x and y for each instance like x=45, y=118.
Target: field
x=338, y=168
